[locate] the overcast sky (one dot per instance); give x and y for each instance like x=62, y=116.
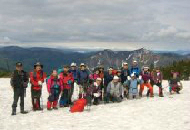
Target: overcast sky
x=110, y=24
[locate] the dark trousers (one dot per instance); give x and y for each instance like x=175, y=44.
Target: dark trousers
x=36, y=94
x=18, y=93
x=113, y=98
x=64, y=100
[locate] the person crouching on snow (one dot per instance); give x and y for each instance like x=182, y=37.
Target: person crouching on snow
x=174, y=84
x=54, y=87
x=146, y=76
x=133, y=83
x=115, y=90
x=37, y=78
x=157, y=80
x=67, y=79
x=94, y=92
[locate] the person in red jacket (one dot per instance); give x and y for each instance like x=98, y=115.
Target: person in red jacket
x=54, y=87
x=67, y=79
x=37, y=78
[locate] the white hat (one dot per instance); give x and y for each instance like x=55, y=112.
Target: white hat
x=125, y=63
x=110, y=68
x=134, y=61
x=145, y=67
x=99, y=79
x=73, y=64
x=115, y=77
x=82, y=64
x=132, y=75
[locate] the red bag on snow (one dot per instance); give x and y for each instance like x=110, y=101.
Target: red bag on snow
x=78, y=105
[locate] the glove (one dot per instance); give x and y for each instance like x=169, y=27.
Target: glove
x=96, y=94
x=140, y=77
x=128, y=77
x=40, y=83
x=69, y=82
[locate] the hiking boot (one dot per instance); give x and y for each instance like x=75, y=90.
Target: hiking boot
x=39, y=109
x=24, y=112
x=55, y=108
x=49, y=109
x=161, y=95
x=148, y=93
x=13, y=113
x=140, y=94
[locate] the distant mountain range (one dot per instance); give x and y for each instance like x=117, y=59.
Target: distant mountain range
x=56, y=58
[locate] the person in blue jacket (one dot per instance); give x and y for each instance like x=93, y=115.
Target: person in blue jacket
x=133, y=84
x=75, y=72
x=83, y=80
x=135, y=69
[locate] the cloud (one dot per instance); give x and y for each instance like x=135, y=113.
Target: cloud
x=112, y=21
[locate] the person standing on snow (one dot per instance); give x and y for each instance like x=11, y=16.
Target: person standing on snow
x=124, y=77
x=124, y=72
x=54, y=87
x=115, y=90
x=74, y=88
x=157, y=77
x=135, y=69
x=75, y=72
x=83, y=80
x=37, y=78
x=19, y=82
x=146, y=76
x=68, y=80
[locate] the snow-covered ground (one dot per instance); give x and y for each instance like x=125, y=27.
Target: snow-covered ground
x=168, y=113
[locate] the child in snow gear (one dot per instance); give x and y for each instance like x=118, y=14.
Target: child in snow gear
x=133, y=86
x=146, y=76
x=83, y=80
x=124, y=77
x=157, y=80
x=135, y=69
x=37, y=78
x=174, y=84
x=54, y=87
x=19, y=82
x=68, y=80
x=115, y=90
x=94, y=92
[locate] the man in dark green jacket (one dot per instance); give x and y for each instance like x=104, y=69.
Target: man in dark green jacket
x=19, y=83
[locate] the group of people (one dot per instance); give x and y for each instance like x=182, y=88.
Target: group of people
x=71, y=83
